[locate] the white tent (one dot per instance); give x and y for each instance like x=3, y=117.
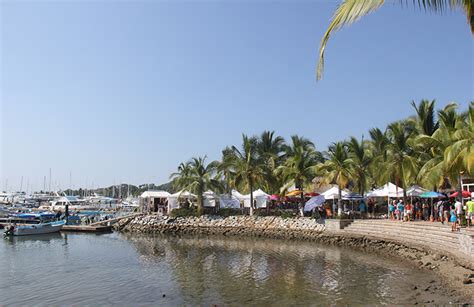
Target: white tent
x=333, y=193
x=148, y=200
x=415, y=190
x=260, y=198
x=209, y=199
x=173, y=199
x=388, y=190
x=229, y=201
x=155, y=194
x=237, y=195
x=183, y=194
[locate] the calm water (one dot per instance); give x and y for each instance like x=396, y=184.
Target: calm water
x=115, y=269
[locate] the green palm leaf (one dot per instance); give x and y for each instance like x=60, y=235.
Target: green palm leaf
x=349, y=11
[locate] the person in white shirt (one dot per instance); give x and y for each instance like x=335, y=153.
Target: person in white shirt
x=458, y=208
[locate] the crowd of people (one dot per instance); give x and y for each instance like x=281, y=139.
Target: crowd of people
x=450, y=211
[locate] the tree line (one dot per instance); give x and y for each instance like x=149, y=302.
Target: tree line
x=433, y=148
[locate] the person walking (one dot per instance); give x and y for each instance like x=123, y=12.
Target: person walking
x=470, y=211
x=453, y=219
x=362, y=209
x=458, y=209
x=408, y=211
x=426, y=211
x=401, y=210
x=391, y=209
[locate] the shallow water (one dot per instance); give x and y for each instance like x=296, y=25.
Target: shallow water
x=114, y=269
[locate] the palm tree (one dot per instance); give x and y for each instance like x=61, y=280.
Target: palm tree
x=196, y=177
x=425, y=120
x=225, y=170
x=462, y=148
x=377, y=145
x=271, y=151
x=298, y=142
x=349, y=11
x=449, y=148
x=337, y=169
x=361, y=158
x=401, y=160
x=298, y=168
x=247, y=166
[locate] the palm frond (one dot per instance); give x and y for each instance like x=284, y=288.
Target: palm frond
x=349, y=11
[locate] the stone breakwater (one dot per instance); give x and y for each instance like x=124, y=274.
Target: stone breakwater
x=270, y=226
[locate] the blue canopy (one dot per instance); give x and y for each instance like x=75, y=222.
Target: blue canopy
x=34, y=215
x=432, y=194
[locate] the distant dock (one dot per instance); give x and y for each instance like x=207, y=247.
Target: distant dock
x=87, y=228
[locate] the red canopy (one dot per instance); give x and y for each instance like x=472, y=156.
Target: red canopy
x=275, y=197
x=465, y=194
x=311, y=194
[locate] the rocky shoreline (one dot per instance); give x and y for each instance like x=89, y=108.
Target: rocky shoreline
x=457, y=274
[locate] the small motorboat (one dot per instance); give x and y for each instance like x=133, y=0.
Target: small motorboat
x=34, y=229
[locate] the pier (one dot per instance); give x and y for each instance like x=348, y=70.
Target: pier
x=87, y=228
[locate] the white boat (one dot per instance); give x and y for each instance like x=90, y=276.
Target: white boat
x=35, y=229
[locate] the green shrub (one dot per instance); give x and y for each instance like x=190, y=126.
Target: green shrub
x=287, y=214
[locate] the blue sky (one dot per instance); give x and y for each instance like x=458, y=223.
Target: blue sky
x=124, y=91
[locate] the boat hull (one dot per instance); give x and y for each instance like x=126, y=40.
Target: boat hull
x=38, y=229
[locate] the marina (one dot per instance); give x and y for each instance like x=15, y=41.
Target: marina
x=236, y=153
x=54, y=213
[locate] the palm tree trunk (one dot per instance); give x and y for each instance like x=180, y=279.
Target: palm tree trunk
x=339, y=201
x=200, y=207
x=460, y=189
x=405, y=195
x=251, y=197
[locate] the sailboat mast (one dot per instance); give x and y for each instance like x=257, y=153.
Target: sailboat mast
x=49, y=180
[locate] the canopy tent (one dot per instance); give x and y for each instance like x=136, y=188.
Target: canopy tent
x=259, y=193
x=415, y=191
x=183, y=194
x=465, y=194
x=209, y=199
x=333, y=193
x=260, y=198
x=274, y=197
x=157, y=201
x=388, y=190
x=314, y=202
x=173, y=199
x=229, y=201
x=237, y=195
x=353, y=196
x=432, y=194
x=155, y=194
x=294, y=193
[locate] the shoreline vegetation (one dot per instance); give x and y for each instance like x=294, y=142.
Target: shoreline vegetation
x=431, y=149
x=452, y=269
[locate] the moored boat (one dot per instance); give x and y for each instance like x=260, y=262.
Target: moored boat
x=35, y=229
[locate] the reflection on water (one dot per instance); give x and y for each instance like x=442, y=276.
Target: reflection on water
x=170, y=270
